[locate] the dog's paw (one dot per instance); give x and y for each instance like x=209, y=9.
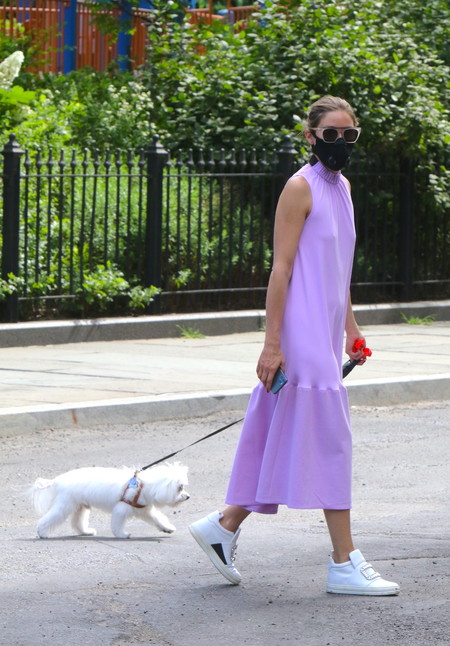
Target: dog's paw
x=89, y=532
x=168, y=529
x=122, y=535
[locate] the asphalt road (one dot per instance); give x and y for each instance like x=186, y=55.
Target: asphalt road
x=160, y=590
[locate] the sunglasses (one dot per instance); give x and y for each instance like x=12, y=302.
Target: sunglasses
x=350, y=135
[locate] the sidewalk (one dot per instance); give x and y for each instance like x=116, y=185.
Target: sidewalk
x=138, y=379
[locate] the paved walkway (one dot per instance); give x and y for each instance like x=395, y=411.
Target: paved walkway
x=160, y=590
x=133, y=380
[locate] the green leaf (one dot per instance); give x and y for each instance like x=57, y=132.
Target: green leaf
x=16, y=95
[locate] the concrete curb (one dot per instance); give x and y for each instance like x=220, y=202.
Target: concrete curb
x=395, y=391
x=135, y=410
x=210, y=324
x=391, y=313
x=128, y=328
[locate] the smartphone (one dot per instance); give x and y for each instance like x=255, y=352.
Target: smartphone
x=278, y=381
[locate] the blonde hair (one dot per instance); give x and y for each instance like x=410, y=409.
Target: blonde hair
x=328, y=104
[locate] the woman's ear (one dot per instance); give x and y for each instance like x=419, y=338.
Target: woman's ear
x=310, y=137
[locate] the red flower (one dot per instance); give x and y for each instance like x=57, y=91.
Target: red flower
x=359, y=345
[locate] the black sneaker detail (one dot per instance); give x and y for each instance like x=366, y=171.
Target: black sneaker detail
x=217, y=547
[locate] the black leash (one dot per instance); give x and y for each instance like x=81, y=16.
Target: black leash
x=346, y=368
x=166, y=457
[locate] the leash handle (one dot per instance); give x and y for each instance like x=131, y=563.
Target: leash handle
x=351, y=363
x=166, y=457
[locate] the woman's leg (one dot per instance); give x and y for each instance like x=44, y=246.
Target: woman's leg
x=338, y=521
x=232, y=517
x=217, y=535
x=351, y=574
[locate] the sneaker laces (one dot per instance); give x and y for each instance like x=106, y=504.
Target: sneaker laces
x=233, y=547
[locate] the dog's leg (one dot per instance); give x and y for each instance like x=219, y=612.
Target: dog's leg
x=156, y=517
x=119, y=516
x=55, y=516
x=80, y=521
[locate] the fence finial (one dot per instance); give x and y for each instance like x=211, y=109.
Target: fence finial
x=156, y=147
x=12, y=146
x=286, y=158
x=287, y=146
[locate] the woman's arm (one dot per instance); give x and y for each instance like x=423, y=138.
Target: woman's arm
x=351, y=327
x=292, y=210
x=353, y=333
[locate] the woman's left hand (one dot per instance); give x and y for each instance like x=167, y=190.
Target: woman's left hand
x=354, y=347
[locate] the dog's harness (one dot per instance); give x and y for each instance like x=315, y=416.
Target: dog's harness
x=133, y=483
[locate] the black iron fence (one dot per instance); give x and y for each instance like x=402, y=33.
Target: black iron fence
x=403, y=234
x=83, y=234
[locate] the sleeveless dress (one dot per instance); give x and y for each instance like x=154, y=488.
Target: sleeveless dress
x=295, y=447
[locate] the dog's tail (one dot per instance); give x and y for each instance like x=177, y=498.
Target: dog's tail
x=42, y=494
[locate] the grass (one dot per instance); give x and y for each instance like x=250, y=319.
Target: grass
x=416, y=320
x=190, y=332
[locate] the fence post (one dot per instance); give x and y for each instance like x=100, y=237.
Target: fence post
x=286, y=159
x=70, y=37
x=11, y=215
x=157, y=158
x=124, y=37
x=406, y=229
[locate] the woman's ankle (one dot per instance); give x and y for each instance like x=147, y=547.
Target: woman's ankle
x=228, y=525
x=341, y=556
x=232, y=517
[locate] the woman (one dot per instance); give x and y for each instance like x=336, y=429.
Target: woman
x=295, y=446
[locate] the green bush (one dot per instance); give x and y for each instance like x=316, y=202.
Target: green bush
x=102, y=289
x=87, y=109
x=210, y=85
x=247, y=86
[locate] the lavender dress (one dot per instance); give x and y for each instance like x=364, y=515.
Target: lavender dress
x=295, y=447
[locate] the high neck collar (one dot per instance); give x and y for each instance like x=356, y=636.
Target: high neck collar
x=327, y=175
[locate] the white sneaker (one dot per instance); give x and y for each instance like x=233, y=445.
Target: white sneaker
x=358, y=577
x=218, y=543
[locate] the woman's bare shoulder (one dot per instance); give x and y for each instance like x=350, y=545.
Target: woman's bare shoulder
x=297, y=186
x=297, y=194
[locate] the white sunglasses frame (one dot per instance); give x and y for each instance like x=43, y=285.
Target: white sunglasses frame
x=357, y=128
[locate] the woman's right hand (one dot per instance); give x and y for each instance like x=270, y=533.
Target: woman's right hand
x=270, y=360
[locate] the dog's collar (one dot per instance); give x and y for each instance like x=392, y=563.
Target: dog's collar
x=133, y=483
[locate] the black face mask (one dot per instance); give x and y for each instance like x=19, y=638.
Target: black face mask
x=334, y=156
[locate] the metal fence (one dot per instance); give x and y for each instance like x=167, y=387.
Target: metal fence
x=196, y=225
x=403, y=233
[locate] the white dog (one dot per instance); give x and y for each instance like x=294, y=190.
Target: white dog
x=123, y=492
